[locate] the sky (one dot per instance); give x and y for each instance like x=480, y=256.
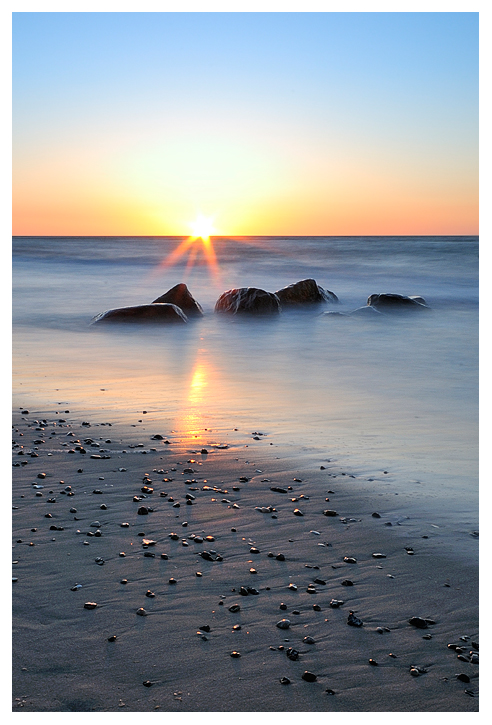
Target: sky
x=262, y=123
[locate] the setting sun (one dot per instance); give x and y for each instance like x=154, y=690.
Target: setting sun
x=202, y=227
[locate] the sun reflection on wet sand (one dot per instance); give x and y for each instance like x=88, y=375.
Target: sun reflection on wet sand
x=191, y=423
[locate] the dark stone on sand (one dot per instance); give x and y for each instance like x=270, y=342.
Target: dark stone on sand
x=305, y=292
x=280, y=557
x=373, y=662
x=418, y=622
x=309, y=640
x=329, y=512
x=309, y=676
x=284, y=681
x=112, y=638
x=292, y=654
x=390, y=302
x=235, y=654
x=90, y=605
x=234, y=608
x=347, y=583
x=375, y=515
x=142, y=510
x=155, y=313
x=205, y=628
x=336, y=603
x=353, y=620
x=283, y=624
x=147, y=683
x=248, y=301
x=462, y=677
x=180, y=296
x=278, y=489
x=298, y=512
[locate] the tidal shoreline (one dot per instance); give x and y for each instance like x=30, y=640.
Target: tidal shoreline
x=68, y=511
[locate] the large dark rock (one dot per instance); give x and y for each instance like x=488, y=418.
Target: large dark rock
x=180, y=296
x=305, y=292
x=157, y=313
x=248, y=301
x=393, y=302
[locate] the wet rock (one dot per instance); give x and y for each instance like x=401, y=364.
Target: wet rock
x=350, y=560
x=462, y=677
x=390, y=302
x=284, y=681
x=298, y=512
x=373, y=662
x=283, y=624
x=353, y=620
x=309, y=676
x=347, y=583
x=180, y=296
x=248, y=301
x=141, y=612
x=234, y=608
x=329, y=512
x=292, y=654
x=336, y=603
x=418, y=622
x=112, y=638
x=90, y=605
x=235, y=654
x=142, y=511
x=305, y=292
x=154, y=313
x=309, y=640
x=378, y=555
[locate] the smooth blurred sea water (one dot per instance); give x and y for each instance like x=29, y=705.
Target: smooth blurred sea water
x=397, y=394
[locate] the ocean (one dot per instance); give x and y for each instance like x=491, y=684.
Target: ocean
x=392, y=400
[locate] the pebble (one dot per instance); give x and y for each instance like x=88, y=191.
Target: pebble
x=235, y=654
x=298, y=512
x=234, y=608
x=141, y=612
x=418, y=622
x=462, y=677
x=309, y=640
x=112, y=638
x=347, y=583
x=335, y=603
x=350, y=560
x=309, y=676
x=292, y=654
x=353, y=620
x=283, y=624
x=284, y=681
x=373, y=662
x=90, y=605
x=378, y=555
x=330, y=512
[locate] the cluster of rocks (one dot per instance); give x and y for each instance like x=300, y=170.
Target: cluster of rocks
x=177, y=305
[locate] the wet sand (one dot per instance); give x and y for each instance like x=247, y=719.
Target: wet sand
x=192, y=650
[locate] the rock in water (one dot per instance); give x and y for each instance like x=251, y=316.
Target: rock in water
x=248, y=301
x=155, y=313
x=305, y=292
x=182, y=298
x=392, y=302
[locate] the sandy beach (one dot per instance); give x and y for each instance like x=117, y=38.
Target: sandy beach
x=152, y=576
